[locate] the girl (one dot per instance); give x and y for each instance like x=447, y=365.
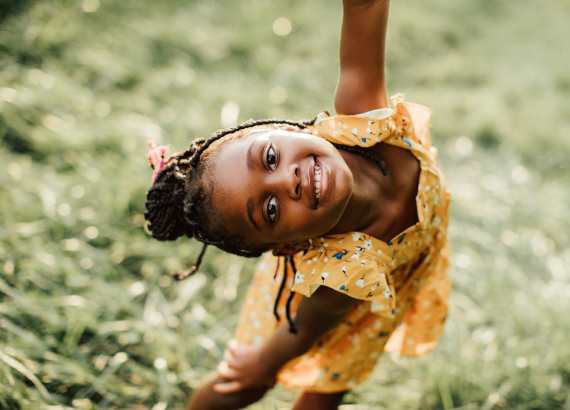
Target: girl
x=352, y=207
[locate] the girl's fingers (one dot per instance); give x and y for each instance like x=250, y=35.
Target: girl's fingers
x=231, y=359
x=227, y=387
x=233, y=346
x=226, y=371
x=228, y=356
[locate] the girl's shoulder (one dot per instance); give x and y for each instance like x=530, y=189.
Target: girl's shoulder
x=403, y=120
x=355, y=264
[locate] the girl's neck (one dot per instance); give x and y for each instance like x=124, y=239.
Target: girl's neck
x=371, y=189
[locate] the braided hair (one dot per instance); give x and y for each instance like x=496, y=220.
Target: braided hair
x=178, y=202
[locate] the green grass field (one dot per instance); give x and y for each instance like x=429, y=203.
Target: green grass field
x=89, y=318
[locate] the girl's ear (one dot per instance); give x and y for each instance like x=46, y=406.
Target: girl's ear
x=290, y=248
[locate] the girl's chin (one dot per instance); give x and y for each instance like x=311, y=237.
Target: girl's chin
x=336, y=185
x=330, y=219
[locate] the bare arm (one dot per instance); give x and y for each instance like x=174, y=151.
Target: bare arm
x=315, y=316
x=247, y=367
x=362, y=83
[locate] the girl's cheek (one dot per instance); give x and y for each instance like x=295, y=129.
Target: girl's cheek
x=301, y=228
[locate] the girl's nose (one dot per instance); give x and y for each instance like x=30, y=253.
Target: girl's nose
x=286, y=181
x=294, y=187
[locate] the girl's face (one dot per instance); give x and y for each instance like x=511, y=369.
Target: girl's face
x=276, y=187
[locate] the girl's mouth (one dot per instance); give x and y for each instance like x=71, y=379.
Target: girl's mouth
x=319, y=182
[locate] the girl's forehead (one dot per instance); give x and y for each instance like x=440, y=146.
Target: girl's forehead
x=260, y=133
x=267, y=132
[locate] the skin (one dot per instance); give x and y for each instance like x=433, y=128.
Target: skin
x=279, y=183
x=361, y=199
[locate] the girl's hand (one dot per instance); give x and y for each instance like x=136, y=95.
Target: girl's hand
x=243, y=368
x=249, y=367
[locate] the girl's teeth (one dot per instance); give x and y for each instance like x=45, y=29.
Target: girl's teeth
x=317, y=182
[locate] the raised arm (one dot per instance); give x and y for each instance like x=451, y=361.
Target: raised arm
x=362, y=83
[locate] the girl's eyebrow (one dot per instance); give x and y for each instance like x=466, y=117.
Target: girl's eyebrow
x=250, y=156
x=250, y=214
x=250, y=150
x=251, y=164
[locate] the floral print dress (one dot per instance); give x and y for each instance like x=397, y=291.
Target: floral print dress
x=403, y=283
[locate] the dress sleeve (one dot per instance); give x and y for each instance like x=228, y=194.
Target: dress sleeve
x=364, y=130
x=412, y=119
x=406, y=120
x=354, y=268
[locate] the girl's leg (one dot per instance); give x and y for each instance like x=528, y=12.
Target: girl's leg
x=205, y=398
x=318, y=401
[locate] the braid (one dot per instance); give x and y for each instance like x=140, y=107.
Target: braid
x=176, y=202
x=164, y=205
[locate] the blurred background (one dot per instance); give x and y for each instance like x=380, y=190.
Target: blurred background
x=89, y=318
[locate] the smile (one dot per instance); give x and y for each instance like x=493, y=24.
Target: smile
x=318, y=182
x=317, y=187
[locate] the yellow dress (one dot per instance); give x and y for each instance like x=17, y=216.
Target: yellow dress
x=402, y=283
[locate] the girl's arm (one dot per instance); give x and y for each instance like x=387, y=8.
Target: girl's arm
x=362, y=83
x=248, y=367
x=316, y=315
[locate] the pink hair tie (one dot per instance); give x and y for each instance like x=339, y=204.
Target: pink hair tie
x=156, y=158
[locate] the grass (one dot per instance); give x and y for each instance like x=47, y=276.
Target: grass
x=89, y=318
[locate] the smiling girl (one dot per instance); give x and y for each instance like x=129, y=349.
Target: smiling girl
x=353, y=210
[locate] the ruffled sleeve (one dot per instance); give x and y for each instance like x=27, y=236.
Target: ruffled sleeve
x=412, y=120
x=406, y=121
x=365, y=130
x=349, y=264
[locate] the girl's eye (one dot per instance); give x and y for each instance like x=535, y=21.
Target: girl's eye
x=271, y=158
x=272, y=210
